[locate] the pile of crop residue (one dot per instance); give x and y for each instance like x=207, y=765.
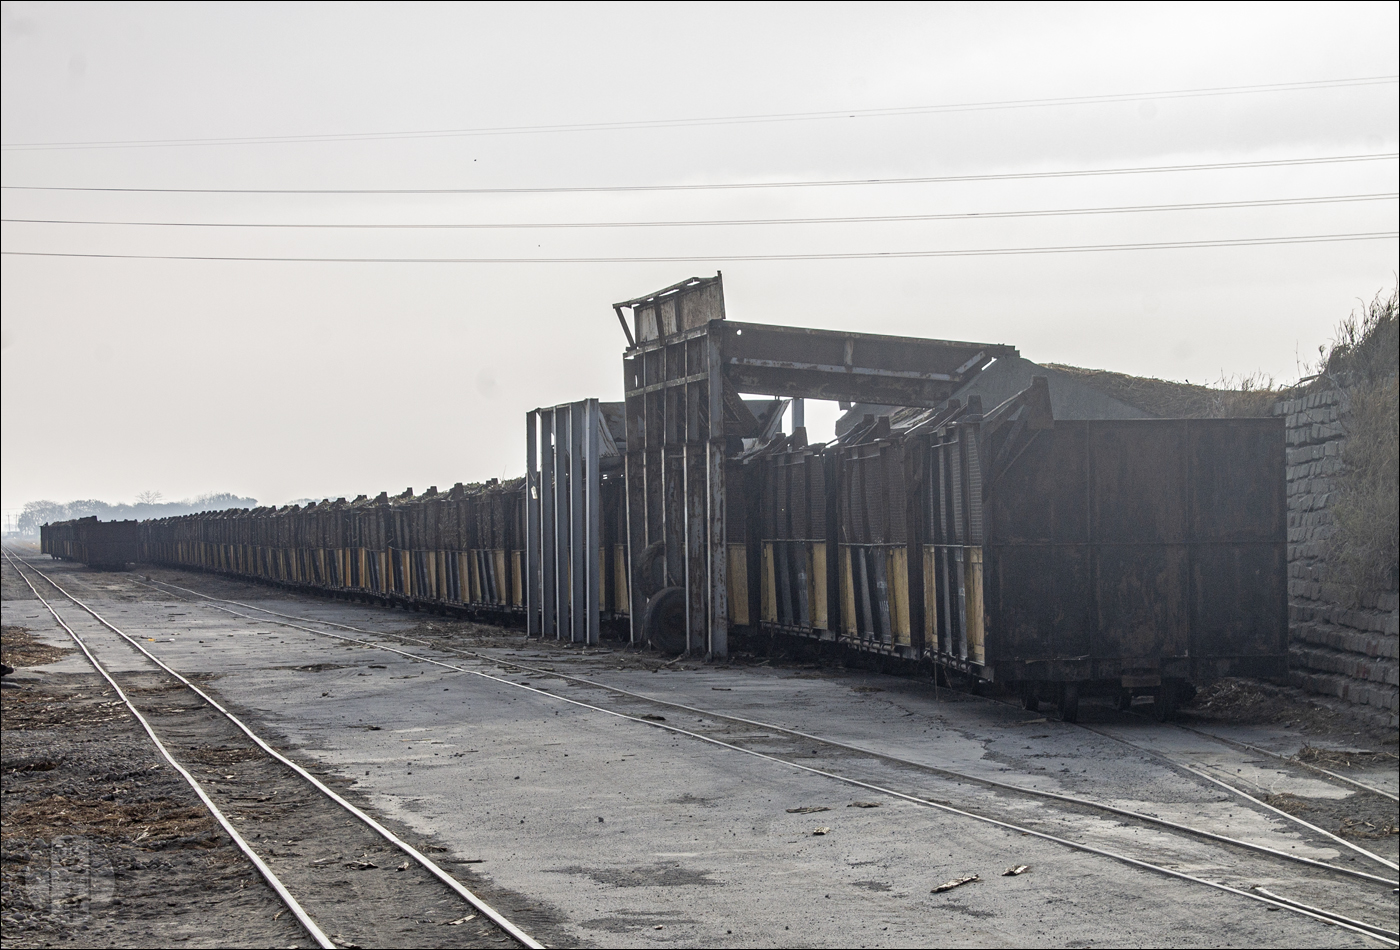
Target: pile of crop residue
x=18, y=648
x=1250, y=702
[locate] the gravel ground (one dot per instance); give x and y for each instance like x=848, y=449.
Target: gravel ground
x=103, y=844
x=699, y=847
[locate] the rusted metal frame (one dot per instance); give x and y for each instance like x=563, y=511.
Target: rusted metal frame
x=664, y=342
x=696, y=553
x=873, y=509
x=958, y=538
x=801, y=538
x=801, y=362
x=716, y=535
x=626, y=330
x=532, y=585
x=782, y=583
x=886, y=535
x=914, y=543
x=831, y=480
x=687, y=284
x=636, y=482
x=579, y=559
x=672, y=429
x=746, y=425
x=743, y=362
x=592, y=541
x=848, y=339
x=561, y=521
x=549, y=539
x=938, y=531
x=696, y=573
x=684, y=380
x=654, y=494
x=865, y=617
x=753, y=497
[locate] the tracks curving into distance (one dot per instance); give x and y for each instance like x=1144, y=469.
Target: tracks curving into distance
x=315, y=931
x=1382, y=934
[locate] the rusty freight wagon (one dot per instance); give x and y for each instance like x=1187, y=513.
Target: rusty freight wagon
x=1133, y=556
x=105, y=545
x=460, y=549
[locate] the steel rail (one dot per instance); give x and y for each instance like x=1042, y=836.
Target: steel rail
x=427, y=863
x=1292, y=760
x=848, y=780
x=1379, y=931
x=938, y=770
x=1176, y=763
x=303, y=918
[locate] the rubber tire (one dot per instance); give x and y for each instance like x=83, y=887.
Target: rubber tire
x=651, y=569
x=1069, y=702
x=663, y=621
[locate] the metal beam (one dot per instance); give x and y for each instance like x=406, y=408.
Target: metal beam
x=561, y=520
x=578, y=516
x=531, y=580
x=717, y=538
x=593, y=544
x=549, y=539
x=858, y=367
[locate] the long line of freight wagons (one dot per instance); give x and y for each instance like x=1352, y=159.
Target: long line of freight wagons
x=1143, y=554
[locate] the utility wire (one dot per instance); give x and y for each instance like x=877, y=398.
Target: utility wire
x=691, y=258
x=860, y=219
x=579, y=189
x=711, y=120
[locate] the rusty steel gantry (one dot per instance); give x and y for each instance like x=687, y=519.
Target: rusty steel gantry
x=684, y=370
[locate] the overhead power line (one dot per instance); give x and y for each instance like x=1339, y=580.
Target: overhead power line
x=735, y=222
x=693, y=258
x=719, y=186
x=756, y=118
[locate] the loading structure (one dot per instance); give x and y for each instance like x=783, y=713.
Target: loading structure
x=684, y=371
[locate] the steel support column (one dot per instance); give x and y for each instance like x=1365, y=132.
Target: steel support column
x=716, y=535
x=549, y=539
x=578, y=542
x=561, y=520
x=593, y=547
x=531, y=580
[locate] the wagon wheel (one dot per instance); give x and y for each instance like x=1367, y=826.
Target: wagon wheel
x=1069, y=702
x=651, y=569
x=663, y=621
x=1030, y=698
x=1164, y=701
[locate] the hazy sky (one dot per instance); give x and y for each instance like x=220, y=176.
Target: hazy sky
x=288, y=379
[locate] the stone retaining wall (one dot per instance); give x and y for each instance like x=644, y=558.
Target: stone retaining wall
x=1350, y=651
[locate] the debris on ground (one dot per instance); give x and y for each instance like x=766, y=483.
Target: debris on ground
x=1286, y=802
x=955, y=882
x=1340, y=758
x=1239, y=701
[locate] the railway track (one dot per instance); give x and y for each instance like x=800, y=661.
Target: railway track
x=1242, y=867
x=276, y=801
